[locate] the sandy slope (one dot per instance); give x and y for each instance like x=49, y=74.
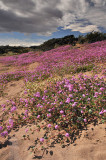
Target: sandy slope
x=90, y=146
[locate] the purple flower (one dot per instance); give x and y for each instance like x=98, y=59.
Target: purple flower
x=104, y=111
x=101, y=112
x=32, y=99
x=26, y=113
x=102, y=88
x=82, y=111
x=61, y=102
x=88, y=99
x=38, y=116
x=8, y=128
x=26, y=101
x=10, y=121
x=3, y=109
x=81, y=88
x=26, y=130
x=13, y=103
x=67, y=82
x=96, y=93
x=83, y=95
x=70, y=95
x=37, y=94
x=59, y=91
x=100, y=93
x=49, y=125
x=56, y=126
x=41, y=106
x=70, y=86
x=21, y=100
x=67, y=134
x=26, y=105
x=61, y=111
x=74, y=104
x=49, y=115
x=24, y=117
x=13, y=108
x=63, y=115
x=25, y=92
x=43, y=98
x=1, y=128
x=5, y=133
x=38, y=105
x=50, y=110
x=85, y=120
x=3, y=105
x=45, y=91
x=53, y=109
x=68, y=100
x=41, y=139
x=95, y=96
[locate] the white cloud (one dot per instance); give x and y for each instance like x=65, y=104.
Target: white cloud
x=83, y=15
x=80, y=28
x=3, y=6
x=86, y=29
x=18, y=42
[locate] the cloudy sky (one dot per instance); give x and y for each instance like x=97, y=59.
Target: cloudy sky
x=31, y=22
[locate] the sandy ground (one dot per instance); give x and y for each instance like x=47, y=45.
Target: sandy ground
x=11, y=90
x=14, y=88
x=90, y=146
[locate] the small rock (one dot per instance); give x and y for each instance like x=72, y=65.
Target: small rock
x=97, y=140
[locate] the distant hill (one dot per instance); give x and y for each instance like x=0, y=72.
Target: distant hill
x=55, y=42
x=10, y=50
x=70, y=39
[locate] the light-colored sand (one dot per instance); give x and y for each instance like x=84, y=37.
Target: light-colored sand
x=12, y=89
x=90, y=146
x=33, y=66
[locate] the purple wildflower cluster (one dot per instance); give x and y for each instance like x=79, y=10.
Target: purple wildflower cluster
x=59, y=61
x=61, y=110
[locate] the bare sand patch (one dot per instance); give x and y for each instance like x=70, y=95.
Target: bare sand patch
x=90, y=146
x=33, y=66
x=12, y=89
x=5, y=68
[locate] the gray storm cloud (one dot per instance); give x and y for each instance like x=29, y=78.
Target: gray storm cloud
x=44, y=17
